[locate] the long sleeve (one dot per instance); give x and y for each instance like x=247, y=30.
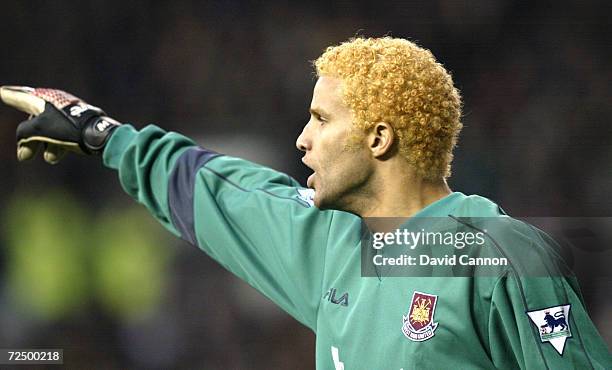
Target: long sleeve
x=145, y=159
x=522, y=337
x=256, y=222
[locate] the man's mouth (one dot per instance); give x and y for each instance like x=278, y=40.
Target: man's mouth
x=311, y=178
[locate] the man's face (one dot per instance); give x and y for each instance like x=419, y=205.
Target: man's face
x=340, y=174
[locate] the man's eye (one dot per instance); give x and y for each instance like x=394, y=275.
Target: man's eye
x=321, y=119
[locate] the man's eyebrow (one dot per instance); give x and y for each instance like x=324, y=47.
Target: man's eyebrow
x=318, y=112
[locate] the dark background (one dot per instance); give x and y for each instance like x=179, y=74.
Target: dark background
x=84, y=268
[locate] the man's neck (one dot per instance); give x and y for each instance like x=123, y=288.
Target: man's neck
x=402, y=196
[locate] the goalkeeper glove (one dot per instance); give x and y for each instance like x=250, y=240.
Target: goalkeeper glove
x=59, y=121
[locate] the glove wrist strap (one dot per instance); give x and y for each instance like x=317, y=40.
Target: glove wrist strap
x=96, y=132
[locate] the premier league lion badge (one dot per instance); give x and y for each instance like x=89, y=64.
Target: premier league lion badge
x=553, y=325
x=418, y=325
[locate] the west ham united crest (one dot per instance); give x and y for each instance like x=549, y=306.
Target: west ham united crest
x=553, y=325
x=418, y=325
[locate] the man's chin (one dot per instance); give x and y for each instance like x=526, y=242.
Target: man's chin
x=318, y=201
x=321, y=202
x=324, y=203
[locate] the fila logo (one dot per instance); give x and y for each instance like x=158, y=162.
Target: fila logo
x=331, y=296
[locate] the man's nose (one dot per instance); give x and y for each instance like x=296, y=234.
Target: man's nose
x=304, y=142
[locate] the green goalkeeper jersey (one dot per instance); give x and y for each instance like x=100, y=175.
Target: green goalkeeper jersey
x=261, y=225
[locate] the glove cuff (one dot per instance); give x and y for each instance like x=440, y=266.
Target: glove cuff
x=96, y=132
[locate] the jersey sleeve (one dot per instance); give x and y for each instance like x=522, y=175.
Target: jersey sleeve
x=256, y=222
x=521, y=337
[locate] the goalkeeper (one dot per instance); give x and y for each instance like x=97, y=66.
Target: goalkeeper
x=384, y=119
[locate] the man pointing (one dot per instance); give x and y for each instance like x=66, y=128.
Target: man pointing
x=384, y=120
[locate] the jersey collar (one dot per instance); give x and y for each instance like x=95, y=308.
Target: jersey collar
x=442, y=207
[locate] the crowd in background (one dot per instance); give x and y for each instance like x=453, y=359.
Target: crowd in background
x=236, y=76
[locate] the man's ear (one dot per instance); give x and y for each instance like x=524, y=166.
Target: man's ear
x=381, y=139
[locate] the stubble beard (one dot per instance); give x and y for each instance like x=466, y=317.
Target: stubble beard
x=349, y=191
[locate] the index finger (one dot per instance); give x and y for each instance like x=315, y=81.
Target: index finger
x=22, y=98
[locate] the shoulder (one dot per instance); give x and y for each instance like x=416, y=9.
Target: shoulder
x=486, y=214
x=529, y=250
x=476, y=206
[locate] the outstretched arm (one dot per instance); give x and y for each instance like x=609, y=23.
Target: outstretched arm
x=255, y=221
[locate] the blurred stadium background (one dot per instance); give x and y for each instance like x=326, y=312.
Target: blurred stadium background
x=84, y=268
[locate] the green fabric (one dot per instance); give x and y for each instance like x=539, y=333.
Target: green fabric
x=252, y=220
x=145, y=160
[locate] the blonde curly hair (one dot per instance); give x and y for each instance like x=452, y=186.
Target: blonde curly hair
x=395, y=81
